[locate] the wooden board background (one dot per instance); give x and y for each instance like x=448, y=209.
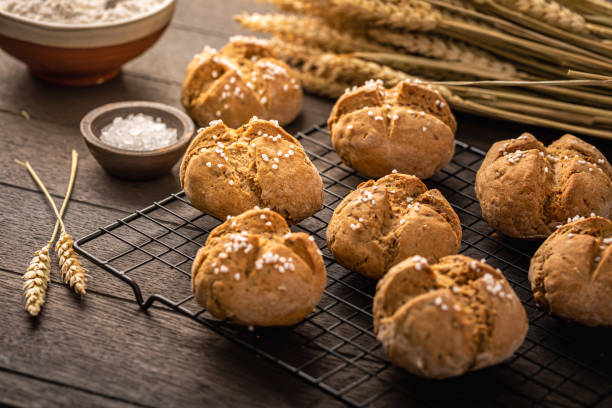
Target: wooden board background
x=103, y=351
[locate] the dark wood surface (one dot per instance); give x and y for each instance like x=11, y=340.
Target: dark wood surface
x=102, y=350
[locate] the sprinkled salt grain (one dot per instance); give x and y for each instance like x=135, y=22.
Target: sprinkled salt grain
x=545, y=169
x=394, y=171
x=218, y=113
x=275, y=166
x=231, y=182
x=349, y=127
x=438, y=301
x=457, y=308
x=208, y=164
x=268, y=224
x=443, y=307
x=237, y=276
x=355, y=227
x=138, y=132
x=607, y=241
x=424, y=129
x=570, y=235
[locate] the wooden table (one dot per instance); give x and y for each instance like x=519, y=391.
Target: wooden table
x=103, y=350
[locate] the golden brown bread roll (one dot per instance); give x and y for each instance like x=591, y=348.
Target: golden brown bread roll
x=228, y=171
x=408, y=128
x=526, y=189
x=244, y=79
x=385, y=221
x=445, y=319
x=254, y=271
x=571, y=272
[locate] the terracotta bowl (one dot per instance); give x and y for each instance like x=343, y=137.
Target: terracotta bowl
x=81, y=54
x=136, y=165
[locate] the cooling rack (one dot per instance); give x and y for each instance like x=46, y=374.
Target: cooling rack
x=559, y=365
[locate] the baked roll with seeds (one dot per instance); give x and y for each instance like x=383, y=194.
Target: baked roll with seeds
x=244, y=79
x=385, y=221
x=445, y=319
x=254, y=271
x=408, y=128
x=228, y=171
x=571, y=272
x=526, y=189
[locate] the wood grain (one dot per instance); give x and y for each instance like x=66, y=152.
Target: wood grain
x=103, y=350
x=110, y=347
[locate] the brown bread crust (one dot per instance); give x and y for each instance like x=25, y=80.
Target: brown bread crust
x=442, y=320
x=571, y=272
x=526, y=189
x=244, y=79
x=385, y=221
x=408, y=128
x=254, y=271
x=228, y=171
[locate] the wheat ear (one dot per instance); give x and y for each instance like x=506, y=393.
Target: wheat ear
x=38, y=274
x=36, y=280
x=72, y=270
x=550, y=11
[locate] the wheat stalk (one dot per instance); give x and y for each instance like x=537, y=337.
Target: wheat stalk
x=72, y=270
x=37, y=279
x=444, y=48
x=315, y=32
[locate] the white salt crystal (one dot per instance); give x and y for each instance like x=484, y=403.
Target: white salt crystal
x=138, y=132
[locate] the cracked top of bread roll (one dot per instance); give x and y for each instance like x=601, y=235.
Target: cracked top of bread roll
x=385, y=221
x=254, y=271
x=445, y=319
x=571, y=272
x=408, y=128
x=244, y=79
x=228, y=171
x=527, y=189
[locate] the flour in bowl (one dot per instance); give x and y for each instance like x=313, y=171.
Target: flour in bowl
x=80, y=11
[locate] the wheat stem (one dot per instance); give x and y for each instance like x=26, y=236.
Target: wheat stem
x=569, y=37
x=481, y=109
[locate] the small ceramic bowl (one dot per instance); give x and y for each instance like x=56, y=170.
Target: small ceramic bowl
x=136, y=165
x=81, y=54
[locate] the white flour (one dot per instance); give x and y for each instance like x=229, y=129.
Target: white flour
x=79, y=11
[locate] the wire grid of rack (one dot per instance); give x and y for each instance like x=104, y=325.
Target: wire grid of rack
x=559, y=364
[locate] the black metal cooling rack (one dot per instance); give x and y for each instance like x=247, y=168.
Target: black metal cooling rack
x=559, y=365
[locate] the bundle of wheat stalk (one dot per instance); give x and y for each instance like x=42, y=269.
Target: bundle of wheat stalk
x=542, y=62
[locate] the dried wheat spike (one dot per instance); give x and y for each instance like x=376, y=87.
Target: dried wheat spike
x=73, y=272
x=309, y=31
x=407, y=14
x=37, y=279
x=551, y=12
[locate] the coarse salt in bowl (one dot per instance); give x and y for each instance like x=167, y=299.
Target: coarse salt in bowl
x=137, y=159
x=81, y=53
